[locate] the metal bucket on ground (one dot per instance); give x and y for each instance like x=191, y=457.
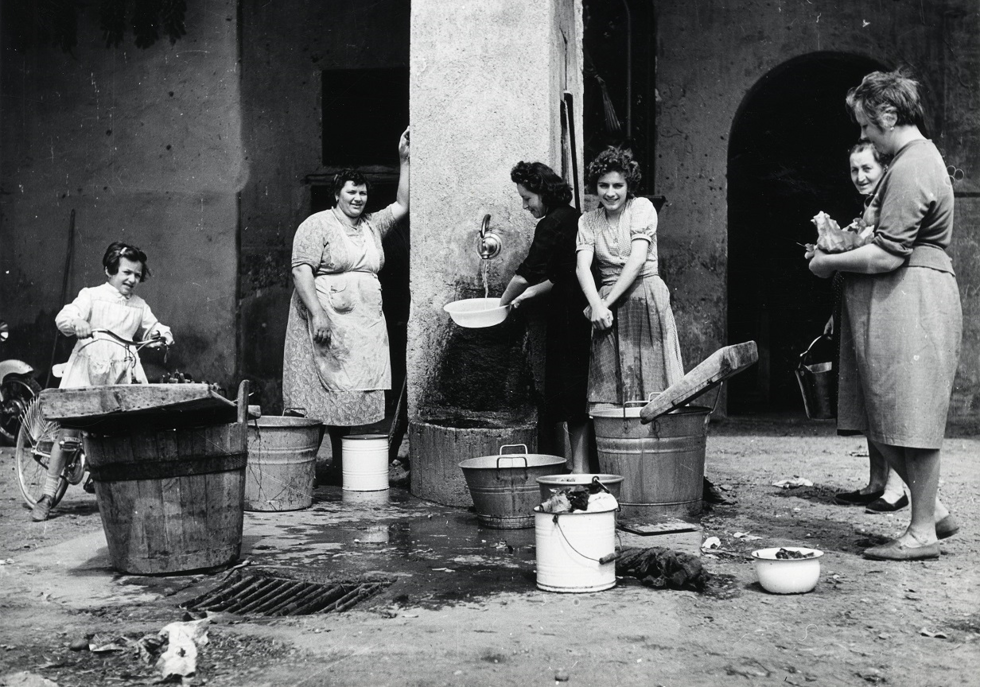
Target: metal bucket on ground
x=504, y=487
x=171, y=500
x=817, y=382
x=281, y=462
x=365, y=462
x=661, y=462
x=612, y=483
x=568, y=549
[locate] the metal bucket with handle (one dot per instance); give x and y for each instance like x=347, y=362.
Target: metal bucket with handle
x=817, y=382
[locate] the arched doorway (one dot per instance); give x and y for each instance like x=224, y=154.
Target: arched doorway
x=787, y=160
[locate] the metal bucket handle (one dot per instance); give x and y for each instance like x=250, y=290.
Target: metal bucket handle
x=628, y=404
x=284, y=413
x=802, y=356
x=604, y=560
x=501, y=454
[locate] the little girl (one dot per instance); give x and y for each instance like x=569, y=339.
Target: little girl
x=97, y=361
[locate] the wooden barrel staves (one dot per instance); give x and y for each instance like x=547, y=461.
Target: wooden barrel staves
x=171, y=500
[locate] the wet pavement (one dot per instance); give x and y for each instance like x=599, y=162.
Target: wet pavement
x=433, y=554
x=462, y=606
x=428, y=554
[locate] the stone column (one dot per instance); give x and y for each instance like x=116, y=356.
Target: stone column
x=486, y=83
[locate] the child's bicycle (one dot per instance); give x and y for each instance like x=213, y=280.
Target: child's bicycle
x=38, y=435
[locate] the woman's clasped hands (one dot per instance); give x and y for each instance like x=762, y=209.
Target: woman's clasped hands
x=600, y=316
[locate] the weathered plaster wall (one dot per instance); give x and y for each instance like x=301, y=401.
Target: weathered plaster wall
x=710, y=53
x=145, y=146
x=486, y=82
x=286, y=47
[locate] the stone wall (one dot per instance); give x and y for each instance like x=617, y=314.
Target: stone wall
x=486, y=82
x=709, y=55
x=286, y=47
x=144, y=145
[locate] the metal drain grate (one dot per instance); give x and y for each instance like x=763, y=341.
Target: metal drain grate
x=257, y=594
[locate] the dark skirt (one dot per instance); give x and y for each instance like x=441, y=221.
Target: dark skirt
x=567, y=354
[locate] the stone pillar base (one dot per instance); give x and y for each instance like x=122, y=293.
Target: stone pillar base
x=437, y=447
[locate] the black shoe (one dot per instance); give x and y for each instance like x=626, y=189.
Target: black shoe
x=856, y=498
x=883, y=506
x=41, y=509
x=89, y=487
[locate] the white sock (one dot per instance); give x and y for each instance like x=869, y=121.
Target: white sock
x=51, y=486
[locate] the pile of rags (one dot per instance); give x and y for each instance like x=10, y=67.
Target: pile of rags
x=660, y=567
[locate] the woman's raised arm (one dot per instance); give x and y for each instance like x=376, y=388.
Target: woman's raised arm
x=403, y=156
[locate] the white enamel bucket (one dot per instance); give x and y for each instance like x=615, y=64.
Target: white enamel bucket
x=568, y=549
x=365, y=462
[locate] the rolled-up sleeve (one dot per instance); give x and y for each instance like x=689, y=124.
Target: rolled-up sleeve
x=914, y=203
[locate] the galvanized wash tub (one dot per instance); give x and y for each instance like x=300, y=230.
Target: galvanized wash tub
x=662, y=462
x=504, y=487
x=281, y=462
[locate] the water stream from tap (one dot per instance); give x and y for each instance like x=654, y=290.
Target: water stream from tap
x=485, y=264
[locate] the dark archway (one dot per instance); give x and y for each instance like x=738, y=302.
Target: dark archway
x=787, y=160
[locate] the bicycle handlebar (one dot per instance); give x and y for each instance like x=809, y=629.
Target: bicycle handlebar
x=155, y=339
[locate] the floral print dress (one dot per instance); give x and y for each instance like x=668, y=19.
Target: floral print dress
x=341, y=383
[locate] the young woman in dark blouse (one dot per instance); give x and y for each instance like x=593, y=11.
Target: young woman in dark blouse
x=549, y=271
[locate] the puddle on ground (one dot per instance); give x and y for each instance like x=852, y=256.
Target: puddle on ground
x=438, y=555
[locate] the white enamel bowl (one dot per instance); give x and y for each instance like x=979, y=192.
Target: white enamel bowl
x=477, y=312
x=787, y=576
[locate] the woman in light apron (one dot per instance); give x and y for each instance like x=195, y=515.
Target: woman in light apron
x=337, y=365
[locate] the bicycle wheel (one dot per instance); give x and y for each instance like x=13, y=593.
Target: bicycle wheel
x=17, y=393
x=32, y=450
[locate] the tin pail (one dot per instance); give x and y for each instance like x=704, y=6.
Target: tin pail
x=504, y=487
x=365, y=462
x=568, y=549
x=662, y=462
x=817, y=381
x=281, y=462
